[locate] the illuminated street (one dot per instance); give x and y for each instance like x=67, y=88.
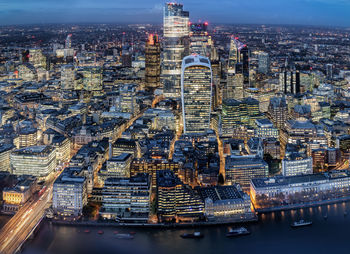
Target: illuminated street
x=16, y=231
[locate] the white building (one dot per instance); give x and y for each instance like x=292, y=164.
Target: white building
x=295, y=164
x=38, y=161
x=69, y=194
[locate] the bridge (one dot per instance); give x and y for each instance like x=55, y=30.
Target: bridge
x=19, y=228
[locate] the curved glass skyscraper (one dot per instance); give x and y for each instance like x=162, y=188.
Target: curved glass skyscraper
x=196, y=93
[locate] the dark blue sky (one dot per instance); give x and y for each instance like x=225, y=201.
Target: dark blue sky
x=310, y=12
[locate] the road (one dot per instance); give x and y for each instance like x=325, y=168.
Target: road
x=18, y=228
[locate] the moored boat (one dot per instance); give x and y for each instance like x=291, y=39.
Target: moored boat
x=124, y=236
x=194, y=235
x=301, y=223
x=238, y=232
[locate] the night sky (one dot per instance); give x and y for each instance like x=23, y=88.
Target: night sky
x=308, y=12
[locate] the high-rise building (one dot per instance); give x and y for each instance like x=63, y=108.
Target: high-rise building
x=175, y=47
x=278, y=111
x=264, y=62
x=290, y=81
x=91, y=78
x=199, y=39
x=329, y=71
x=234, y=86
x=237, y=70
x=196, y=93
x=68, y=42
x=152, y=51
x=237, y=113
x=67, y=77
x=127, y=99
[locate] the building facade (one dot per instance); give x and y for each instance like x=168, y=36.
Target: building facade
x=196, y=93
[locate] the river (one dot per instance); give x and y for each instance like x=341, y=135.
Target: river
x=272, y=234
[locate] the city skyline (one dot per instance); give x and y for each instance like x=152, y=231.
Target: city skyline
x=299, y=12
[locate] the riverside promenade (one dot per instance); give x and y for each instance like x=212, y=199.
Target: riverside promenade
x=244, y=219
x=302, y=205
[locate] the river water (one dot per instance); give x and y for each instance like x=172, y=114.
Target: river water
x=272, y=234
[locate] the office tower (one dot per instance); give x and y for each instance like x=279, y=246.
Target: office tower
x=175, y=47
x=241, y=169
x=152, y=51
x=26, y=136
x=237, y=70
x=127, y=99
x=68, y=42
x=91, y=78
x=67, y=77
x=196, y=92
x=290, y=81
x=296, y=164
x=122, y=145
x=329, y=71
x=199, y=39
x=38, y=161
x=69, y=194
x=217, y=91
x=278, y=111
x=264, y=63
x=127, y=199
x=176, y=199
x=37, y=59
x=63, y=148
x=118, y=166
x=234, y=86
x=244, y=60
x=237, y=113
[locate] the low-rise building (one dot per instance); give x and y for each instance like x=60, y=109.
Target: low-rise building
x=241, y=169
x=127, y=199
x=15, y=197
x=69, y=194
x=225, y=202
x=282, y=191
x=38, y=161
x=296, y=164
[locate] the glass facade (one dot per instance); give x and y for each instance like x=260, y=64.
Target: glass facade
x=175, y=47
x=196, y=87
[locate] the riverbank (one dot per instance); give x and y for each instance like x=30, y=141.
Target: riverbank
x=253, y=218
x=304, y=205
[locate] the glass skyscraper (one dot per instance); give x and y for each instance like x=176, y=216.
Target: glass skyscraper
x=152, y=62
x=175, y=47
x=196, y=92
x=200, y=41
